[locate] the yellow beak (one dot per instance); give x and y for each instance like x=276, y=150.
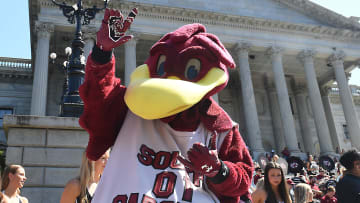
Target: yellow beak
x=155, y=98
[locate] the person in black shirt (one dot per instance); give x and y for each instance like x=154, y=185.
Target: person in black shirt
x=348, y=188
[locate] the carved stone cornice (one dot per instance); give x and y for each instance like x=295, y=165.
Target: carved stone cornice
x=134, y=40
x=131, y=43
x=306, y=54
x=44, y=29
x=232, y=21
x=241, y=47
x=300, y=90
x=136, y=35
x=274, y=50
x=15, y=74
x=336, y=57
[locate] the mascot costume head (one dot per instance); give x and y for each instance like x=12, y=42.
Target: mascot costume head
x=184, y=67
x=165, y=119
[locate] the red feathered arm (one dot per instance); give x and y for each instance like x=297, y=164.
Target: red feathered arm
x=104, y=106
x=234, y=154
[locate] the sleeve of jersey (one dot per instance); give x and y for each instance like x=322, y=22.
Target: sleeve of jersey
x=234, y=179
x=104, y=106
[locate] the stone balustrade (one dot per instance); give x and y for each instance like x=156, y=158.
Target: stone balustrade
x=15, y=63
x=15, y=68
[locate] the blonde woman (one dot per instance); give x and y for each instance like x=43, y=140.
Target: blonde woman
x=13, y=179
x=303, y=193
x=82, y=188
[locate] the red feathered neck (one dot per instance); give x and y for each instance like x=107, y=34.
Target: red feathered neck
x=207, y=112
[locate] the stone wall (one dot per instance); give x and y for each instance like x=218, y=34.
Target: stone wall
x=15, y=87
x=49, y=148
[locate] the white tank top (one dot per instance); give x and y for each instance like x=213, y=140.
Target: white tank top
x=142, y=166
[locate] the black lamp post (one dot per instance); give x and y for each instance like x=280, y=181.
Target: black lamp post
x=71, y=104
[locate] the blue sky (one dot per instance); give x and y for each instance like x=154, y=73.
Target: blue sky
x=15, y=34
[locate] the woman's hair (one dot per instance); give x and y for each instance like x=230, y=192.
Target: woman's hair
x=282, y=187
x=302, y=192
x=5, y=176
x=87, y=173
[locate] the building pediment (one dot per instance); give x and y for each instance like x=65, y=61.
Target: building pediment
x=321, y=14
x=175, y=14
x=286, y=16
x=290, y=11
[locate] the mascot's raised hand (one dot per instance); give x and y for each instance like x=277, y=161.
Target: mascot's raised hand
x=202, y=160
x=113, y=28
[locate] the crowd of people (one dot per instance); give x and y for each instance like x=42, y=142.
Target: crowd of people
x=269, y=185
x=312, y=183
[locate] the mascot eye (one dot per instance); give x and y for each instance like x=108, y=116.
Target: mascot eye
x=192, y=69
x=160, y=69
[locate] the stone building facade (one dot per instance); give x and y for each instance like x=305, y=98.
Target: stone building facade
x=15, y=89
x=288, y=55
x=287, y=52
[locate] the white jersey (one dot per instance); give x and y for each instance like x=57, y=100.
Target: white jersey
x=143, y=165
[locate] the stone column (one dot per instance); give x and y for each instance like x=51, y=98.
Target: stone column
x=249, y=105
x=275, y=117
x=130, y=57
x=329, y=116
x=89, y=37
x=322, y=128
x=337, y=60
x=40, y=82
x=283, y=97
x=301, y=103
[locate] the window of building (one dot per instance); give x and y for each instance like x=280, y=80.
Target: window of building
x=346, y=131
